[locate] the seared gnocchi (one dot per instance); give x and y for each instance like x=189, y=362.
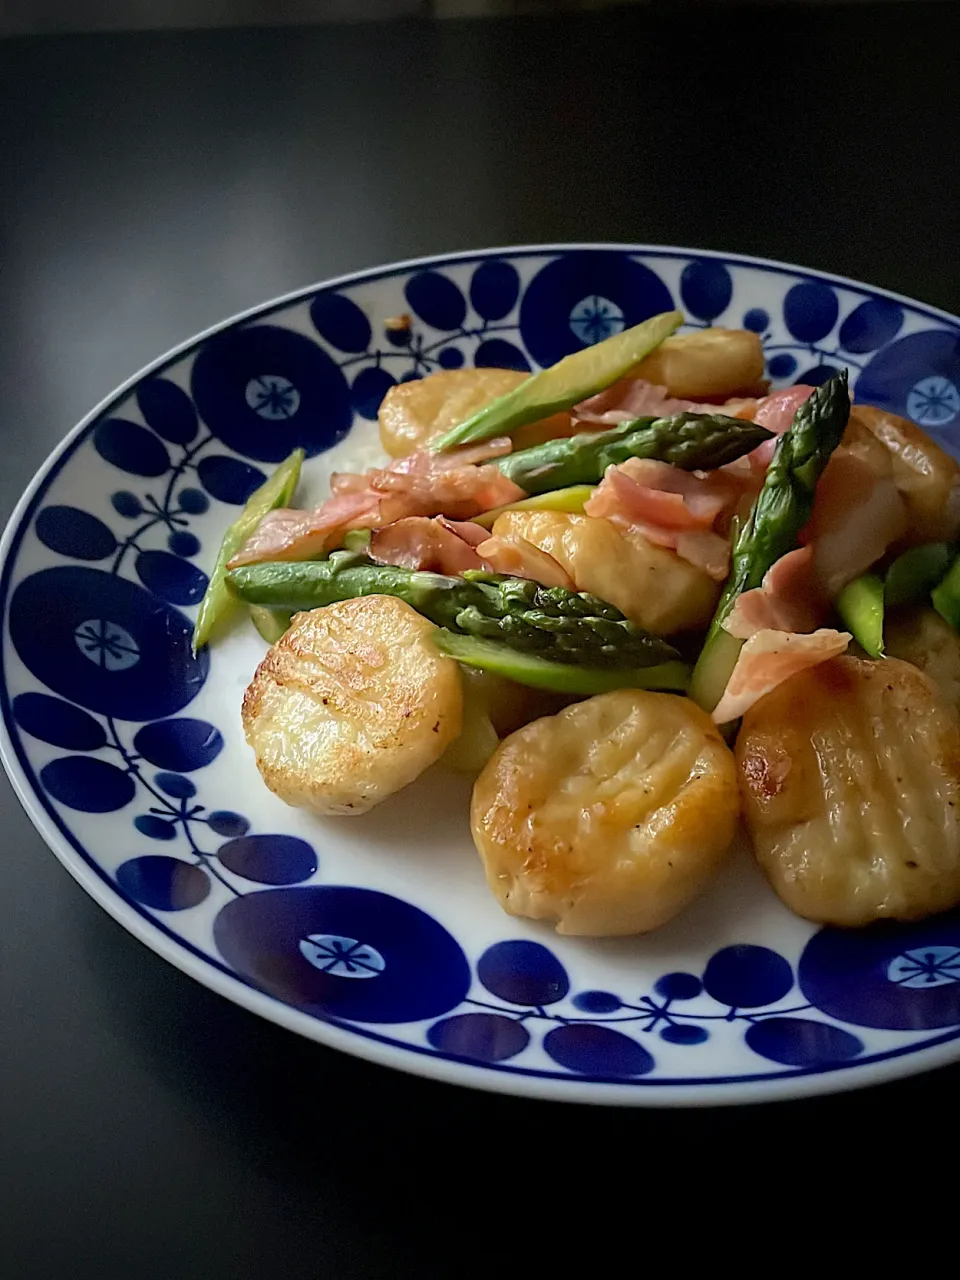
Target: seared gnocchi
x=651, y=585
x=707, y=364
x=351, y=704
x=922, y=637
x=927, y=478
x=608, y=817
x=850, y=774
x=414, y=412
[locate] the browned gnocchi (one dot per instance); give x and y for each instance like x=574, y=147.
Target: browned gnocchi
x=608, y=817
x=850, y=774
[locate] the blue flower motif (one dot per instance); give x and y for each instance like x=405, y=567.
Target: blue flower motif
x=425, y=973
x=245, y=378
x=345, y=957
x=917, y=376
x=565, y=299
x=272, y=398
x=124, y=653
x=925, y=967
x=595, y=318
x=933, y=402
x=108, y=644
x=898, y=977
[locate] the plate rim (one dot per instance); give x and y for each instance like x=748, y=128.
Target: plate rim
x=356, y=1040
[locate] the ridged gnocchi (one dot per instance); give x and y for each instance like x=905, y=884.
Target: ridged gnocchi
x=651, y=585
x=608, y=817
x=414, y=412
x=850, y=774
x=351, y=704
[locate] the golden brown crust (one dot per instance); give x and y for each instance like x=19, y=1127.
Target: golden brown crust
x=651, y=585
x=709, y=364
x=351, y=705
x=850, y=777
x=609, y=816
x=414, y=412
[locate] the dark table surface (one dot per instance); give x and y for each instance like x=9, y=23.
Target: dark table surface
x=153, y=184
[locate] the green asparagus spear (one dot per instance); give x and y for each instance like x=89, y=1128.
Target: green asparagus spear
x=569, y=500
x=692, y=441
x=560, y=677
x=860, y=606
x=782, y=508
x=271, y=624
x=569, y=626
x=913, y=575
x=276, y=491
x=572, y=379
x=946, y=596
x=356, y=539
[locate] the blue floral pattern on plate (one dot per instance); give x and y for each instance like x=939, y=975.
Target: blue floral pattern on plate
x=126, y=753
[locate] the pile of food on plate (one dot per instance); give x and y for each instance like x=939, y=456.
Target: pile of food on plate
x=642, y=598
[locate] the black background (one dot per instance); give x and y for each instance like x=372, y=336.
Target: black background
x=153, y=184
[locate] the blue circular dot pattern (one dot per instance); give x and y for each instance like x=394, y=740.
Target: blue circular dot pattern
x=481, y=1037
x=597, y=1051
x=76, y=533
x=168, y=410
x=163, y=883
x=340, y=322
x=523, y=972
x=706, y=288
x=269, y=859
x=425, y=972
x=106, y=567
x=559, y=288
x=57, y=722
x=245, y=378
x=747, y=977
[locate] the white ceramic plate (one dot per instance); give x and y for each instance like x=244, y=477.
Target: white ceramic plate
x=377, y=935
